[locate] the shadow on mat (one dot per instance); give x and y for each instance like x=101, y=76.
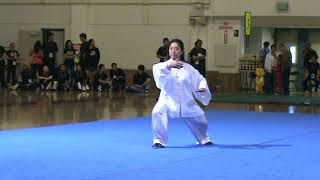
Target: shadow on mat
x=231, y=146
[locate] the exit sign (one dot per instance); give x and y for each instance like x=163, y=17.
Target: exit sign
x=282, y=5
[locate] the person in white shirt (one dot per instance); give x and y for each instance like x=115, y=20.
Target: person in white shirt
x=181, y=85
x=269, y=65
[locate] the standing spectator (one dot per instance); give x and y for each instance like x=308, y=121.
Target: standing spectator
x=270, y=63
x=2, y=67
x=312, y=76
x=69, y=55
x=118, y=78
x=12, y=58
x=163, y=51
x=37, y=58
x=50, y=49
x=93, y=60
x=198, y=57
x=278, y=76
x=264, y=52
x=308, y=53
x=285, y=61
x=141, y=81
x=84, y=49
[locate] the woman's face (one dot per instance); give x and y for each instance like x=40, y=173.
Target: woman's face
x=45, y=69
x=62, y=68
x=175, y=51
x=92, y=44
x=78, y=68
x=199, y=44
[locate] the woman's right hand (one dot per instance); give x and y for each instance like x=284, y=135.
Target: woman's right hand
x=175, y=64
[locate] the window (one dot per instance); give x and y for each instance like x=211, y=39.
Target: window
x=293, y=50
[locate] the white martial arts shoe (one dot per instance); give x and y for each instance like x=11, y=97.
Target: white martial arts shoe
x=158, y=146
x=209, y=143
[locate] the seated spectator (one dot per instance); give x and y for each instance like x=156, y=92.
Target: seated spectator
x=102, y=82
x=61, y=79
x=141, y=81
x=118, y=78
x=312, y=75
x=80, y=79
x=29, y=81
x=45, y=79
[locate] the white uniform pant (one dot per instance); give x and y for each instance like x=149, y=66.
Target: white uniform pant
x=197, y=125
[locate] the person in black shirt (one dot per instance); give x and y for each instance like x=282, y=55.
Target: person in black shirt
x=84, y=49
x=308, y=53
x=28, y=79
x=141, y=81
x=80, y=79
x=163, y=51
x=102, y=82
x=69, y=55
x=198, y=57
x=61, y=79
x=118, y=78
x=50, y=50
x=92, y=61
x=12, y=57
x=312, y=76
x=2, y=67
x=45, y=79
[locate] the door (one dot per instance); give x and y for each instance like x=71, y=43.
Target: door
x=26, y=40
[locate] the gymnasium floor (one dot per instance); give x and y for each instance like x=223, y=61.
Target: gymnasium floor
x=101, y=136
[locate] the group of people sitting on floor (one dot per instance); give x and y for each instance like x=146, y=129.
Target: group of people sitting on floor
x=61, y=80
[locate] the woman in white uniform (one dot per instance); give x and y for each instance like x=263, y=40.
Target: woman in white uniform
x=180, y=86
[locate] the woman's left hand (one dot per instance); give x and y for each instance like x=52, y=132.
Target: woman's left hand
x=201, y=90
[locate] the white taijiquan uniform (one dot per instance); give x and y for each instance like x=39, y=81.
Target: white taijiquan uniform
x=177, y=99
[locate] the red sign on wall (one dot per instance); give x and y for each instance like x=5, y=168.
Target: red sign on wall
x=226, y=26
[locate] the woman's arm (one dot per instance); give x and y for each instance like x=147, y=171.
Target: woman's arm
x=200, y=87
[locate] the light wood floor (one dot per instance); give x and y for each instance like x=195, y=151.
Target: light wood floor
x=33, y=109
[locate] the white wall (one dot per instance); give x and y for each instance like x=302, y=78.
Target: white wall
x=265, y=8
x=130, y=31
x=14, y=18
x=255, y=41
x=225, y=53
x=314, y=39
x=258, y=36
x=288, y=37
x=268, y=35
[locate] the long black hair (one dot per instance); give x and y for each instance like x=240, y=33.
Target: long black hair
x=181, y=45
x=66, y=48
x=37, y=46
x=90, y=41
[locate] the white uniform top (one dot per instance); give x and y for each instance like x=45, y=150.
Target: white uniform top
x=178, y=88
x=270, y=63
